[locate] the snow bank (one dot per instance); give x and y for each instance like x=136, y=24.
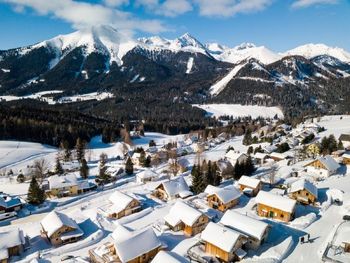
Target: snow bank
x=304, y=221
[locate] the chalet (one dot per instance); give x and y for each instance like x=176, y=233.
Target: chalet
x=270, y=149
x=275, y=206
x=346, y=159
x=277, y=156
x=222, y=198
x=255, y=230
x=303, y=191
x=183, y=165
x=225, y=169
x=146, y=176
x=60, y=229
x=233, y=157
x=9, y=204
x=11, y=244
x=345, y=139
x=168, y=257
x=263, y=131
x=249, y=186
x=132, y=247
x=284, y=127
x=172, y=189
x=68, y=185
x=323, y=166
x=183, y=217
x=261, y=158
x=338, y=153
x=121, y=205
x=223, y=243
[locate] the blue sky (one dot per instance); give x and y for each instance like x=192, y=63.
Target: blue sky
x=277, y=24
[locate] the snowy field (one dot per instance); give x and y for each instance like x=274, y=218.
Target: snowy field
x=237, y=110
x=283, y=244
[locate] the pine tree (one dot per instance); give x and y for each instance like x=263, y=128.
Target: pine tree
x=249, y=167
x=129, y=166
x=84, y=169
x=148, y=161
x=142, y=158
x=80, y=149
x=36, y=195
x=250, y=150
x=340, y=145
x=197, y=180
x=247, y=139
x=58, y=167
x=216, y=176
x=66, y=151
x=103, y=176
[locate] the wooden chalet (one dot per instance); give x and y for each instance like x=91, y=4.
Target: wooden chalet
x=9, y=204
x=222, y=198
x=60, y=229
x=120, y=205
x=183, y=217
x=11, y=244
x=261, y=158
x=249, y=186
x=323, y=166
x=346, y=159
x=303, y=191
x=255, y=230
x=223, y=243
x=275, y=206
x=235, y=157
x=128, y=247
x=172, y=189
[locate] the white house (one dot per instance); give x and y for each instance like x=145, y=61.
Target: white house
x=146, y=176
x=256, y=230
x=11, y=244
x=172, y=189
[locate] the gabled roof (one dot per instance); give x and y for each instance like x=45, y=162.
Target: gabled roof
x=176, y=186
x=120, y=200
x=147, y=174
x=137, y=245
x=233, y=155
x=244, y=224
x=10, y=239
x=57, y=181
x=220, y=236
x=168, y=257
x=8, y=201
x=55, y=220
x=224, y=194
x=346, y=155
x=260, y=155
x=303, y=184
x=249, y=181
x=275, y=201
x=121, y=233
x=328, y=162
x=182, y=212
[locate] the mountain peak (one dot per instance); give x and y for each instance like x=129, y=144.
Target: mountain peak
x=245, y=45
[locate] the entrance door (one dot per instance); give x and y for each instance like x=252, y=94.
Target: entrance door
x=271, y=214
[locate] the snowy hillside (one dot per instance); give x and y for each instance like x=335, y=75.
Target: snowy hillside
x=314, y=50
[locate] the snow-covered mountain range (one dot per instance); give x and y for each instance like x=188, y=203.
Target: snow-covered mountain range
x=101, y=58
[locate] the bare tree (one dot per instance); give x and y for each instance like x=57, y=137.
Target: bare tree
x=39, y=169
x=273, y=172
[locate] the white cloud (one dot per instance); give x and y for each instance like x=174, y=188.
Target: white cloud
x=82, y=14
x=227, y=8
x=114, y=3
x=307, y=3
x=169, y=8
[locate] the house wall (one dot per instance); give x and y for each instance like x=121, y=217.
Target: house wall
x=197, y=227
x=130, y=209
x=145, y=257
x=223, y=255
x=58, y=192
x=346, y=247
x=160, y=193
x=254, y=243
x=320, y=171
x=55, y=238
x=303, y=194
x=271, y=212
x=255, y=190
x=346, y=161
x=215, y=203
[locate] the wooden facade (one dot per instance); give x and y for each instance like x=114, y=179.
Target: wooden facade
x=133, y=207
x=160, y=193
x=12, y=251
x=275, y=213
x=192, y=230
x=303, y=196
x=224, y=255
x=56, y=240
x=346, y=160
x=346, y=247
x=255, y=190
x=63, y=191
x=215, y=203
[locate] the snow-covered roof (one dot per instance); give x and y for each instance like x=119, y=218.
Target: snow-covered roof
x=276, y=201
x=277, y=155
x=57, y=181
x=328, y=162
x=7, y=201
x=168, y=257
x=10, y=239
x=137, y=245
x=224, y=194
x=121, y=233
x=233, y=155
x=120, y=200
x=176, y=186
x=303, y=184
x=220, y=236
x=146, y=174
x=270, y=148
x=182, y=212
x=260, y=155
x=244, y=224
x=55, y=220
x=346, y=155
x=249, y=181
x=183, y=162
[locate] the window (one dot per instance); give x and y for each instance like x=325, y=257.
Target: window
x=282, y=215
x=307, y=194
